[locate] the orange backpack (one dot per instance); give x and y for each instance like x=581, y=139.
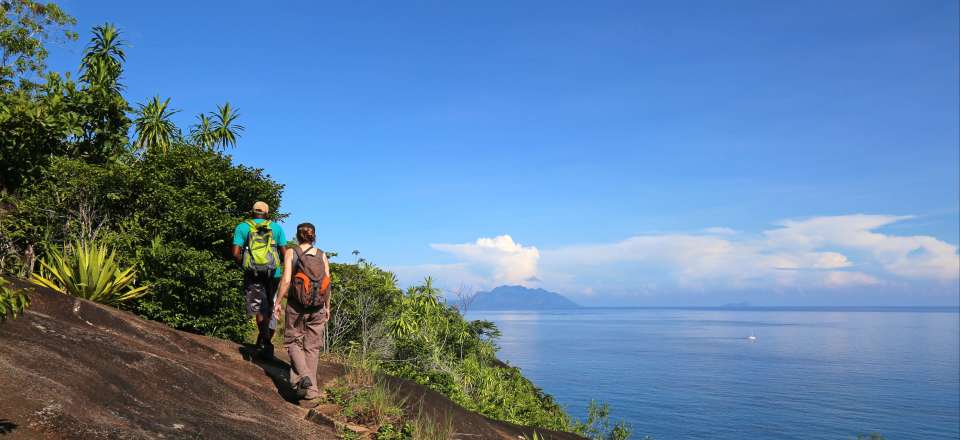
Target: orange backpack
x=311, y=285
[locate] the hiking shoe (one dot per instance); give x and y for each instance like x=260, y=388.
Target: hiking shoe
x=266, y=352
x=301, y=388
x=311, y=403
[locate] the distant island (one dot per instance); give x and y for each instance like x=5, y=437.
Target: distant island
x=520, y=298
x=737, y=305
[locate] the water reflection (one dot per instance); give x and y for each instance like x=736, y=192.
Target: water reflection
x=692, y=373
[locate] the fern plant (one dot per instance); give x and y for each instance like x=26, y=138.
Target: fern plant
x=12, y=301
x=91, y=272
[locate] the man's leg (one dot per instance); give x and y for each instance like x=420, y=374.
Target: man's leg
x=256, y=293
x=265, y=317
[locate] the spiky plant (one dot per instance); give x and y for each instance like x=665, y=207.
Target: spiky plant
x=12, y=301
x=203, y=134
x=154, y=129
x=226, y=131
x=90, y=272
x=103, y=61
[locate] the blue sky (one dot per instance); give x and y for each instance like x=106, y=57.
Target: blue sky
x=618, y=152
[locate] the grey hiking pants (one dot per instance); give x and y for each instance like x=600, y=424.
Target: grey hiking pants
x=303, y=337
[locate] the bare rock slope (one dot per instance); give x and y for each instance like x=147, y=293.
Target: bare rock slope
x=70, y=368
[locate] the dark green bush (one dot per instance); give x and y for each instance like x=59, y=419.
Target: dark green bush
x=194, y=290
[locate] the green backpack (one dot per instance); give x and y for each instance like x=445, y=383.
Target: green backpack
x=260, y=255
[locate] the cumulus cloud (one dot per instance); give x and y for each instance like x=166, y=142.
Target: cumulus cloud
x=820, y=252
x=849, y=279
x=916, y=256
x=500, y=259
x=695, y=261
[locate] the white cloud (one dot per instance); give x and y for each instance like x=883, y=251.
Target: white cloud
x=499, y=259
x=849, y=279
x=918, y=256
x=818, y=252
x=719, y=230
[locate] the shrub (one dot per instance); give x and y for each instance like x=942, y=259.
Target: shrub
x=12, y=301
x=90, y=272
x=190, y=198
x=194, y=290
x=597, y=426
x=371, y=404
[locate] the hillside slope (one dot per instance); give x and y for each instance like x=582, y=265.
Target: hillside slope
x=70, y=368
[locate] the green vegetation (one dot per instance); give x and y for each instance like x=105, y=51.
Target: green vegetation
x=597, y=426
x=417, y=336
x=12, y=301
x=425, y=427
x=91, y=211
x=163, y=204
x=89, y=272
x=24, y=27
x=365, y=399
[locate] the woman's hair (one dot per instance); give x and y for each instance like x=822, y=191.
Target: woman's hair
x=306, y=233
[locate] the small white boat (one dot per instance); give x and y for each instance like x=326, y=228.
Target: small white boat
x=752, y=337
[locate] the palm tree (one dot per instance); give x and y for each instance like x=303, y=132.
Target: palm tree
x=103, y=62
x=225, y=129
x=203, y=134
x=153, y=126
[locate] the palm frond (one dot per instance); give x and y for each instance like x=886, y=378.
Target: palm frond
x=226, y=131
x=153, y=127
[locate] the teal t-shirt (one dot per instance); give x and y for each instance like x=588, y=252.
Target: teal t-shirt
x=242, y=230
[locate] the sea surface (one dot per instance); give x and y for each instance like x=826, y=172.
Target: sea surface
x=811, y=373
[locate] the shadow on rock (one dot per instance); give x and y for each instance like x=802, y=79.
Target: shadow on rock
x=277, y=370
x=7, y=426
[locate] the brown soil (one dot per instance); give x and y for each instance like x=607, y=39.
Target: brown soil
x=72, y=369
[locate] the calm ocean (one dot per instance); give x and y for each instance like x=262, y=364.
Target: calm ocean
x=693, y=374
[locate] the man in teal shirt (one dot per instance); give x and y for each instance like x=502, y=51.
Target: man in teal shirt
x=260, y=289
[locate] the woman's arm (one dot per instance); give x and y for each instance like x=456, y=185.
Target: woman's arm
x=284, y=282
x=326, y=272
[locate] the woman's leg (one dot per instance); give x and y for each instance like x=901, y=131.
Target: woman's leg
x=293, y=339
x=312, y=341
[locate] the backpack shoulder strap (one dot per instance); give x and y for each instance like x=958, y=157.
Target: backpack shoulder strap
x=299, y=253
x=252, y=226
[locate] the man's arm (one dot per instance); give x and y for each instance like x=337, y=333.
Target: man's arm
x=284, y=282
x=239, y=238
x=281, y=241
x=237, y=254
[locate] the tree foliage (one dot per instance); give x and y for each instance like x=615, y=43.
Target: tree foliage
x=598, y=426
x=155, y=131
x=25, y=25
x=163, y=203
x=60, y=117
x=415, y=334
x=187, y=200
